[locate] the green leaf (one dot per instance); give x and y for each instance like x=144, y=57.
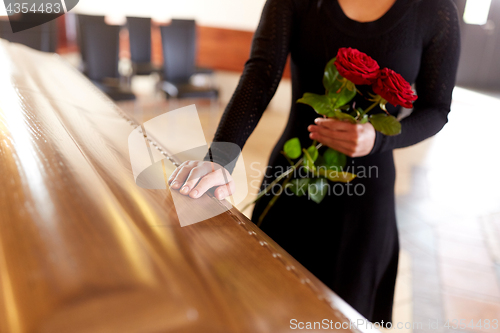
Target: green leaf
x=345, y=95
x=318, y=188
x=298, y=186
x=320, y=103
x=320, y=162
x=336, y=176
x=308, y=165
x=332, y=81
x=364, y=120
x=313, y=152
x=359, y=112
x=292, y=148
x=342, y=116
x=308, y=161
x=385, y=124
x=334, y=159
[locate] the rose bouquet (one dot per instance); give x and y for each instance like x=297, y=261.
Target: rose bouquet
x=342, y=74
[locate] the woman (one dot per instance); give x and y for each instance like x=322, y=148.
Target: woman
x=349, y=241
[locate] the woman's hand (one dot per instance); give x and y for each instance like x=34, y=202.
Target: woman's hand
x=196, y=177
x=354, y=140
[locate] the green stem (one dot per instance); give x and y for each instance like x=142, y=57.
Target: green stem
x=277, y=180
x=370, y=108
x=306, y=153
x=377, y=101
x=344, y=82
x=273, y=200
x=287, y=158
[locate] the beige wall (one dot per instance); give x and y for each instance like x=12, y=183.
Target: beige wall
x=232, y=14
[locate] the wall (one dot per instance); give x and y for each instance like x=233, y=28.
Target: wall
x=225, y=30
x=230, y=14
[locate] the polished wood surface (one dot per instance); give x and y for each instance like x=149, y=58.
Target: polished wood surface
x=84, y=249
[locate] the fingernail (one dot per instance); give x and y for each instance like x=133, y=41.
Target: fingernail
x=220, y=196
x=174, y=184
x=317, y=120
x=185, y=190
x=194, y=193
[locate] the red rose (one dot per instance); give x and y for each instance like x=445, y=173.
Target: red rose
x=394, y=88
x=356, y=66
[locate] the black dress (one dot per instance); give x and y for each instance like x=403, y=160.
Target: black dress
x=350, y=240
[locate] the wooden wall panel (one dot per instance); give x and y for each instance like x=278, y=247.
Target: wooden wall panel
x=225, y=49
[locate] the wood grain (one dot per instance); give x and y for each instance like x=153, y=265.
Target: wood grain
x=84, y=249
x=223, y=48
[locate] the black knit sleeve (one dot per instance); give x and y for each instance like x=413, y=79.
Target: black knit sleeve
x=259, y=81
x=434, y=83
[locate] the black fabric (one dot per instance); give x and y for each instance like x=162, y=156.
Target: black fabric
x=350, y=242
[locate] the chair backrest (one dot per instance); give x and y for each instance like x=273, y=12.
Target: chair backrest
x=51, y=38
x=42, y=37
x=101, y=50
x=139, y=32
x=187, y=23
x=82, y=21
x=179, y=50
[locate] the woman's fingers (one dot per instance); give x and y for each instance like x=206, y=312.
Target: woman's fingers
x=194, y=178
x=225, y=190
x=204, y=185
x=334, y=124
x=176, y=171
x=219, y=178
x=339, y=145
x=181, y=175
x=326, y=132
x=357, y=141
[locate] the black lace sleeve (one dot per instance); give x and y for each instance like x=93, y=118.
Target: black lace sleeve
x=259, y=81
x=434, y=84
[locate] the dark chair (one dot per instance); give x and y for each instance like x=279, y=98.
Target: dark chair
x=82, y=21
x=139, y=32
x=42, y=37
x=179, y=51
x=100, y=50
x=191, y=24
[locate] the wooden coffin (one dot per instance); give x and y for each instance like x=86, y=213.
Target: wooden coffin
x=84, y=249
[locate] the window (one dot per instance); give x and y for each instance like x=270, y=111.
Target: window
x=476, y=11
